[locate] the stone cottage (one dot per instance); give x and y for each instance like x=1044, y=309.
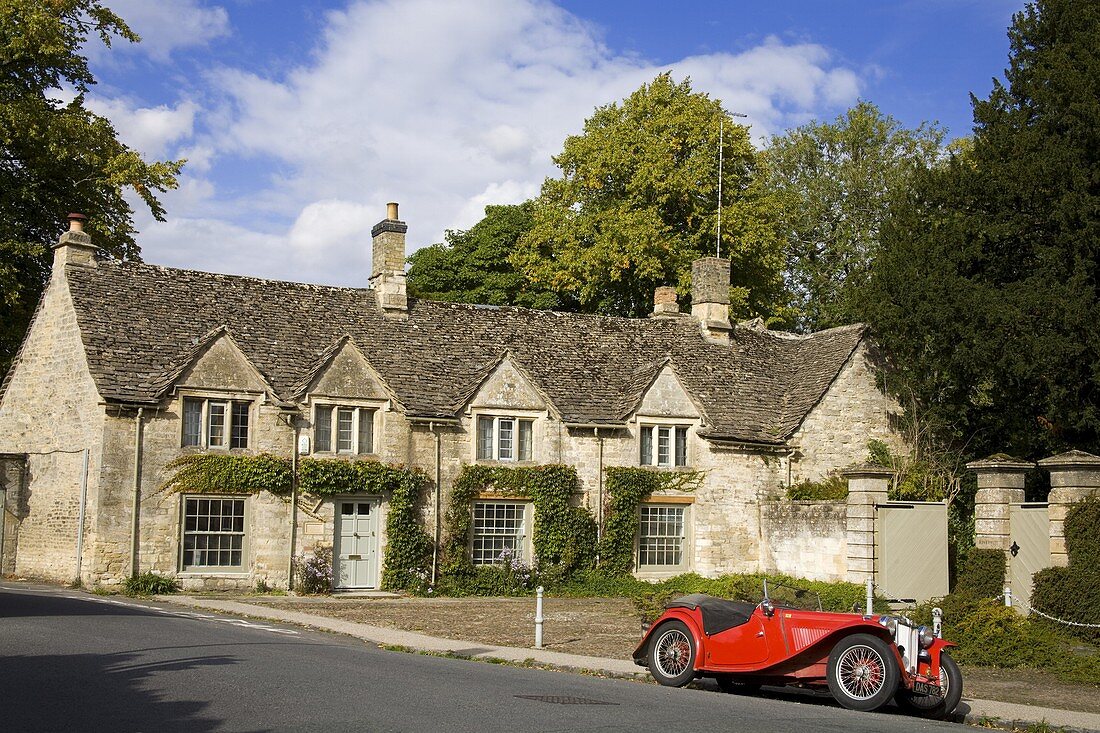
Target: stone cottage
x=127, y=366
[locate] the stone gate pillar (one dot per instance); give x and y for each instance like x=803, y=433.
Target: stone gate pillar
x=1073, y=476
x=867, y=488
x=1000, y=484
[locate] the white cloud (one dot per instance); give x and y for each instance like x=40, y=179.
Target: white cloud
x=461, y=107
x=167, y=25
x=149, y=130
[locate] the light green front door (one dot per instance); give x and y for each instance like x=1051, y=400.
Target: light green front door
x=356, y=543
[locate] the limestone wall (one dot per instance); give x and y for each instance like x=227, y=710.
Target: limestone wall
x=50, y=411
x=804, y=539
x=852, y=412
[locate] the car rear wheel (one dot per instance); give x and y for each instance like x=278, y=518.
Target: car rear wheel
x=672, y=655
x=863, y=672
x=928, y=706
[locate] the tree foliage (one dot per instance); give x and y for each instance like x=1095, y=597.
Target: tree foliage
x=833, y=182
x=473, y=265
x=986, y=290
x=55, y=155
x=636, y=203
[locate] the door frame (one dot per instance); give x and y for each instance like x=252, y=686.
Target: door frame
x=378, y=526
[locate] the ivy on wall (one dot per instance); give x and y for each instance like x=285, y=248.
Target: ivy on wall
x=408, y=546
x=564, y=536
x=627, y=488
x=219, y=473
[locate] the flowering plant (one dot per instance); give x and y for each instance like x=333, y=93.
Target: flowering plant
x=313, y=573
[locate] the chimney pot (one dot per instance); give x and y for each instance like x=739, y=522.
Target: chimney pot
x=76, y=222
x=391, y=211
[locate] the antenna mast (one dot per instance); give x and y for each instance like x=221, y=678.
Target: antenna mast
x=721, y=160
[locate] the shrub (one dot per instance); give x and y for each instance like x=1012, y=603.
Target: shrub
x=982, y=573
x=1082, y=537
x=992, y=635
x=1072, y=594
x=313, y=573
x=508, y=576
x=831, y=488
x=149, y=584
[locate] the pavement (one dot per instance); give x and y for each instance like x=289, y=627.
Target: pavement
x=986, y=713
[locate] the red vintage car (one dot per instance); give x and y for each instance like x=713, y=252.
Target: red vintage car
x=863, y=660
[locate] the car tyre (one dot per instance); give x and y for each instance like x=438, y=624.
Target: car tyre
x=672, y=654
x=863, y=672
x=935, y=708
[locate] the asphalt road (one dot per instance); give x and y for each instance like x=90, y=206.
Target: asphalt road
x=70, y=661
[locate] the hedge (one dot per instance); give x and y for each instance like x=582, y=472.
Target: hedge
x=1072, y=594
x=982, y=573
x=1082, y=530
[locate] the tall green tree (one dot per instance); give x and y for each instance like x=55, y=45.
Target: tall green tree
x=986, y=289
x=833, y=182
x=56, y=156
x=473, y=266
x=637, y=201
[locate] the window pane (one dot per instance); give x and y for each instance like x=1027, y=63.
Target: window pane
x=216, y=421
x=497, y=527
x=366, y=431
x=322, y=428
x=681, y=446
x=526, y=438
x=345, y=429
x=213, y=533
x=661, y=536
x=484, y=438
x=664, y=440
x=505, y=430
x=192, y=422
x=646, y=453
x=240, y=425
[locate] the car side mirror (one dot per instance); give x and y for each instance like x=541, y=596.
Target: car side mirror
x=767, y=607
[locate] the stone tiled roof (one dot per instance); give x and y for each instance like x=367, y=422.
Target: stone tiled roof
x=143, y=324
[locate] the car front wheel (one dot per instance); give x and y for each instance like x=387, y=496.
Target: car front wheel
x=863, y=672
x=672, y=655
x=929, y=706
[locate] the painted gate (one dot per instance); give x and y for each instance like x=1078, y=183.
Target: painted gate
x=1029, y=550
x=911, y=550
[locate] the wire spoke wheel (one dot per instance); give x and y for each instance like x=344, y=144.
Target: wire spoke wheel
x=861, y=671
x=673, y=654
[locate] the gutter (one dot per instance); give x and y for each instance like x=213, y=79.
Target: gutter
x=135, y=506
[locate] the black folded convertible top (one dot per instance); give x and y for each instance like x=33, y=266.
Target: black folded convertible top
x=718, y=613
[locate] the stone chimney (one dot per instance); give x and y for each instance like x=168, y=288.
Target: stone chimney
x=75, y=247
x=710, y=297
x=388, y=264
x=665, y=303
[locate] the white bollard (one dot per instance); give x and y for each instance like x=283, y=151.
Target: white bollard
x=538, y=617
x=870, y=607
x=1008, y=596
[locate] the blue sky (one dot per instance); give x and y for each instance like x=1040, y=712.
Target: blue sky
x=300, y=120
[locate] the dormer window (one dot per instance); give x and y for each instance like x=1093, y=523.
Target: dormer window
x=214, y=423
x=663, y=445
x=343, y=429
x=504, y=438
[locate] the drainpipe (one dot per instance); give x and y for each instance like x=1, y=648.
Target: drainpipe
x=80, y=519
x=437, y=499
x=293, y=504
x=599, y=504
x=135, y=507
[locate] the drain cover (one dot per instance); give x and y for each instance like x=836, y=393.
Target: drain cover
x=565, y=700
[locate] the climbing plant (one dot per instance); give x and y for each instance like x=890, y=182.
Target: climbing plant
x=205, y=473
x=564, y=536
x=627, y=488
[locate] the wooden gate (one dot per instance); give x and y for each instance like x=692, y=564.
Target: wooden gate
x=1029, y=551
x=911, y=550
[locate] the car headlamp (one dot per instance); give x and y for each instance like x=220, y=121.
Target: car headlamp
x=925, y=636
x=889, y=622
